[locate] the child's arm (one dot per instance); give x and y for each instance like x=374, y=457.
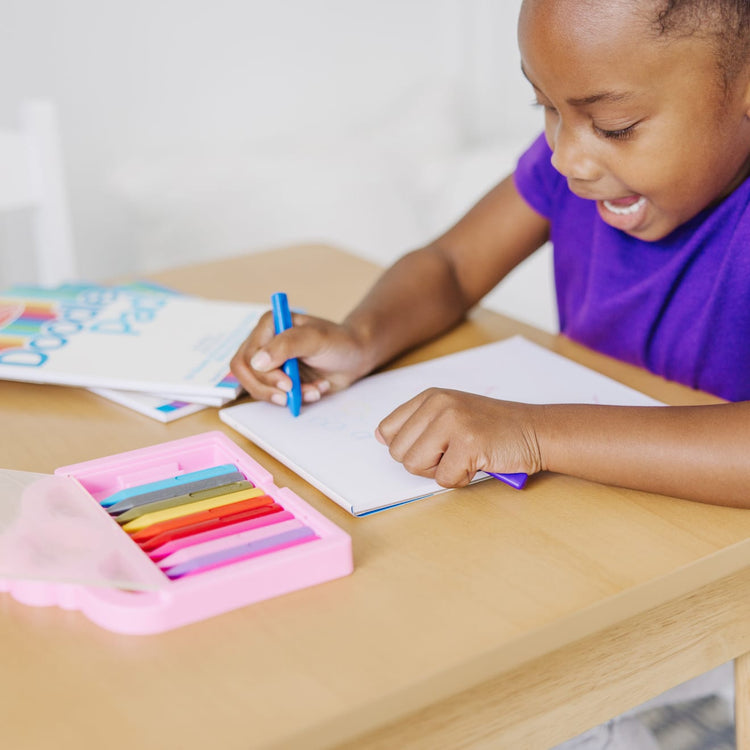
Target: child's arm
x=695, y=452
x=429, y=291
x=421, y=296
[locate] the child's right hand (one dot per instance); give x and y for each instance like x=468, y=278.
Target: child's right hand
x=330, y=355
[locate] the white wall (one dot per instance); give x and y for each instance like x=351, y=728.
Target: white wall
x=195, y=129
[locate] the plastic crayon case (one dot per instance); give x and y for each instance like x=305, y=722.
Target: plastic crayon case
x=155, y=538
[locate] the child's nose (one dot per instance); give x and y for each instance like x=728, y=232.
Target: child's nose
x=572, y=159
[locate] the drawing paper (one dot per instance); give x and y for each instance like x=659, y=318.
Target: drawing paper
x=332, y=443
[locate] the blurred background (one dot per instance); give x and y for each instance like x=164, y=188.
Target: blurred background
x=193, y=130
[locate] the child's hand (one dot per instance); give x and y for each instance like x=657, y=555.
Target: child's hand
x=450, y=435
x=330, y=358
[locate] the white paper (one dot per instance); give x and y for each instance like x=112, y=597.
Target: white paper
x=332, y=443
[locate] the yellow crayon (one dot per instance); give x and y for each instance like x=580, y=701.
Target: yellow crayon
x=148, y=519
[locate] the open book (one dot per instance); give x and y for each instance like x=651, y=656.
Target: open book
x=120, y=338
x=332, y=443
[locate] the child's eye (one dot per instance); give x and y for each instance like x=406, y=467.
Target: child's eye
x=616, y=135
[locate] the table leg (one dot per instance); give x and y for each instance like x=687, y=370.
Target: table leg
x=742, y=701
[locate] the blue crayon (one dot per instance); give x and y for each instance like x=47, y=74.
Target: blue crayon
x=282, y=320
x=165, y=488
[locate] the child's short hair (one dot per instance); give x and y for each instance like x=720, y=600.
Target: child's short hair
x=725, y=22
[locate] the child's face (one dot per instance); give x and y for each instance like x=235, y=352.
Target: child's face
x=640, y=124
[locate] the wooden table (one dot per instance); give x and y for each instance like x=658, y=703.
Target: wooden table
x=483, y=617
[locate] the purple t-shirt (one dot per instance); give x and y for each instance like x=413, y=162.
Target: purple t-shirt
x=679, y=307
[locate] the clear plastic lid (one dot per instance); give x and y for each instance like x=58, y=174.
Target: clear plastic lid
x=52, y=530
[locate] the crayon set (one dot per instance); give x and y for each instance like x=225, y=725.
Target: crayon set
x=190, y=528
x=205, y=519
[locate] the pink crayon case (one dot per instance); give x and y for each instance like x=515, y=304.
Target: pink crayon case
x=74, y=539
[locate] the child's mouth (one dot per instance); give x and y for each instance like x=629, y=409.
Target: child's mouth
x=625, y=206
x=626, y=214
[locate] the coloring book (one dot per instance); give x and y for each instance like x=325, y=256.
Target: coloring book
x=162, y=408
x=123, y=338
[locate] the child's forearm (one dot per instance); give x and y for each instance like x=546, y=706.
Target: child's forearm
x=415, y=300
x=430, y=290
x=695, y=452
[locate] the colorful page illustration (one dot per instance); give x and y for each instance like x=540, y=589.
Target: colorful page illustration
x=99, y=337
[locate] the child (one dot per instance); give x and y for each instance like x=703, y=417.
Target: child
x=640, y=181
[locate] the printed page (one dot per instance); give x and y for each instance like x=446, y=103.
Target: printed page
x=111, y=338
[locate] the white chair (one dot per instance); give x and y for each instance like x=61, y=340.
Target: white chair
x=31, y=179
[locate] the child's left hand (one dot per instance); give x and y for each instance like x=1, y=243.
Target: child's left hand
x=450, y=435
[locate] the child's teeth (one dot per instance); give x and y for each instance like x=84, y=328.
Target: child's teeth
x=625, y=210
